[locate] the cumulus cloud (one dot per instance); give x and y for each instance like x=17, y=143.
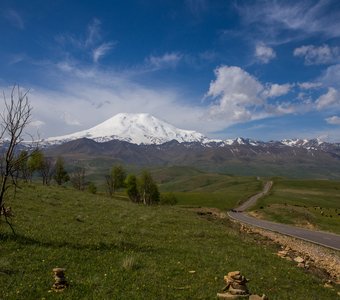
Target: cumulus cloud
x=318, y=55
x=329, y=99
x=168, y=60
x=240, y=97
x=277, y=90
x=331, y=76
x=237, y=94
x=335, y=120
x=264, y=53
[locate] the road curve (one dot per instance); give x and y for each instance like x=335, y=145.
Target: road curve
x=252, y=200
x=326, y=239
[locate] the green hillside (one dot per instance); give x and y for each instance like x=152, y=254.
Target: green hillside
x=307, y=203
x=197, y=188
x=114, y=249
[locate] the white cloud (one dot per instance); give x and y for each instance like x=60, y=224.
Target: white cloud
x=37, y=123
x=277, y=90
x=237, y=93
x=86, y=97
x=14, y=18
x=331, y=98
x=92, y=44
x=318, y=55
x=69, y=119
x=240, y=97
x=101, y=51
x=309, y=85
x=335, y=120
x=280, y=22
x=264, y=53
x=331, y=77
x=93, y=33
x=165, y=61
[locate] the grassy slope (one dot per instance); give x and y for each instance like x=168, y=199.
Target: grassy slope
x=195, y=188
x=114, y=249
x=313, y=203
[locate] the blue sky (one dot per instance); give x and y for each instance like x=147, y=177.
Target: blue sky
x=258, y=69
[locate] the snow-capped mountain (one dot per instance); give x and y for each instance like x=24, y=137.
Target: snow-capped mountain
x=133, y=128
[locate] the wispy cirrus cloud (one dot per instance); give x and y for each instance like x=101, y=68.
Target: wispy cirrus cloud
x=92, y=44
x=102, y=50
x=284, y=21
x=14, y=18
x=314, y=55
x=93, y=33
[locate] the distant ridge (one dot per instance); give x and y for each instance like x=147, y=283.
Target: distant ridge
x=146, y=129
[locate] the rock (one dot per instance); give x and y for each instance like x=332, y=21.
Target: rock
x=60, y=282
x=232, y=274
x=301, y=265
x=235, y=286
x=299, y=259
x=257, y=297
x=282, y=253
x=229, y=296
x=327, y=285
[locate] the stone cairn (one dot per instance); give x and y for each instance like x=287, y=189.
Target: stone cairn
x=236, y=288
x=60, y=282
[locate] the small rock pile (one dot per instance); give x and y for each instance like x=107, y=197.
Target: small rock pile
x=302, y=262
x=60, y=282
x=236, y=288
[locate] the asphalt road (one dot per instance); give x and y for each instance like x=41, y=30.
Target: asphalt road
x=252, y=200
x=326, y=239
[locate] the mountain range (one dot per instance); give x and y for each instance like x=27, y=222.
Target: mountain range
x=145, y=141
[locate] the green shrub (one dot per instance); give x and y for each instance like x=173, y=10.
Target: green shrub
x=168, y=199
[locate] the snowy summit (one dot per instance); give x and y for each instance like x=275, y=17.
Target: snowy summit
x=132, y=128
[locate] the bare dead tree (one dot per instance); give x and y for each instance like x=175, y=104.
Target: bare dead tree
x=14, y=118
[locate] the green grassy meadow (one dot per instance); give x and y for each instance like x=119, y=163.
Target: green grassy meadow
x=200, y=189
x=114, y=249
x=308, y=203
